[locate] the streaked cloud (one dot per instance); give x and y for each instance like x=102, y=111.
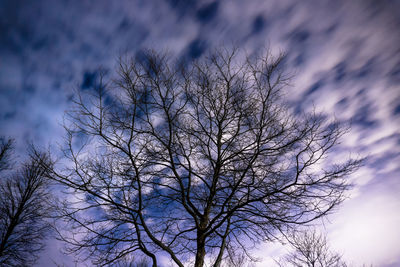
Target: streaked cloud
x=344, y=54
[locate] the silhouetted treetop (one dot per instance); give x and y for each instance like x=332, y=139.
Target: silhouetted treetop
x=194, y=161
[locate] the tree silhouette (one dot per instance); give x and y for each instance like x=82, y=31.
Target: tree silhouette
x=194, y=161
x=24, y=208
x=311, y=249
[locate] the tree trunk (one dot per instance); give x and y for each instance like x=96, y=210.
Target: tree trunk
x=201, y=250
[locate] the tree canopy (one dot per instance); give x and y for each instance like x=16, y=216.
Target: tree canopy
x=24, y=207
x=194, y=161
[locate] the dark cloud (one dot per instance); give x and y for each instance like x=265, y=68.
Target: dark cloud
x=299, y=60
x=340, y=71
x=395, y=73
x=182, y=7
x=299, y=36
x=196, y=48
x=207, y=12
x=366, y=69
x=342, y=104
x=258, y=24
x=363, y=117
x=89, y=80
x=314, y=88
x=9, y=115
x=397, y=110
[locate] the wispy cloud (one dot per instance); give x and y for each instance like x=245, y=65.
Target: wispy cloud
x=345, y=55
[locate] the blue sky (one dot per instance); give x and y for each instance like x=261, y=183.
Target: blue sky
x=345, y=56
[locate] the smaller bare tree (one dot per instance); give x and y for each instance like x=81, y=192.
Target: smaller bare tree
x=311, y=249
x=24, y=207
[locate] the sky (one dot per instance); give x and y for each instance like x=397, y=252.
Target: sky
x=345, y=56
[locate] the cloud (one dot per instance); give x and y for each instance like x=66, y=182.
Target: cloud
x=344, y=53
x=365, y=230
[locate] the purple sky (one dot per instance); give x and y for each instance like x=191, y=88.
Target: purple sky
x=345, y=54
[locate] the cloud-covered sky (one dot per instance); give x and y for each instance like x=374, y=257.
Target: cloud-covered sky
x=345, y=56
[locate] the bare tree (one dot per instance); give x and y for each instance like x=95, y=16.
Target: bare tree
x=23, y=210
x=311, y=249
x=192, y=161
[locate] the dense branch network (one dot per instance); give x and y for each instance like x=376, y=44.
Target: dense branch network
x=194, y=161
x=24, y=208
